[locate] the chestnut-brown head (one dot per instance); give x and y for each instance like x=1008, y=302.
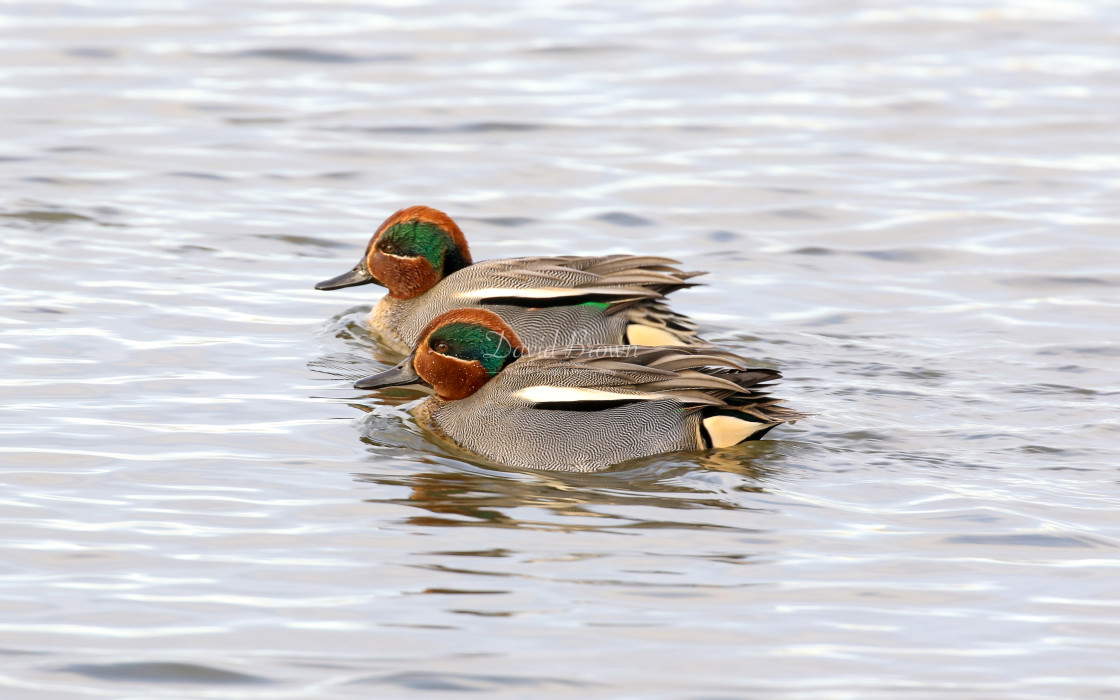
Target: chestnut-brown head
x=409, y=253
x=458, y=352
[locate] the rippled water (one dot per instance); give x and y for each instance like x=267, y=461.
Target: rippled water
x=910, y=208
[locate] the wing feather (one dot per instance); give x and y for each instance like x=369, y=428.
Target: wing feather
x=599, y=377
x=618, y=280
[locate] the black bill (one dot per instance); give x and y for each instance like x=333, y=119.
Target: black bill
x=401, y=375
x=359, y=275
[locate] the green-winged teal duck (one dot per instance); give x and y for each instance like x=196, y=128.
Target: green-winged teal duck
x=577, y=408
x=420, y=255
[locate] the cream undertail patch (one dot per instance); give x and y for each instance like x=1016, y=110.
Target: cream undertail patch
x=725, y=431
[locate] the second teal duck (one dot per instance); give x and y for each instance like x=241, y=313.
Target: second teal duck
x=420, y=255
x=577, y=408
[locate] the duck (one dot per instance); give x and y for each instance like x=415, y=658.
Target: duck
x=419, y=254
x=577, y=408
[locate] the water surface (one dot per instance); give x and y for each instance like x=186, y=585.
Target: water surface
x=910, y=209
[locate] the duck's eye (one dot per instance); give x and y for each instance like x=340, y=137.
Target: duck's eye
x=442, y=346
x=390, y=248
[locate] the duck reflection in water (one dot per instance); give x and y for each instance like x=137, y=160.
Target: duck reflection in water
x=471, y=495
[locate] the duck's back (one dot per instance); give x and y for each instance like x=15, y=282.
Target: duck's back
x=582, y=409
x=563, y=300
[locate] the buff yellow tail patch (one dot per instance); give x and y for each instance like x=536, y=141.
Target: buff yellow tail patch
x=725, y=431
x=648, y=335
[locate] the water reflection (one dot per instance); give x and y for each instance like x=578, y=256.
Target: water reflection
x=626, y=496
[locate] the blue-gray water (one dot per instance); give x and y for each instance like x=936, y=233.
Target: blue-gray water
x=910, y=208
